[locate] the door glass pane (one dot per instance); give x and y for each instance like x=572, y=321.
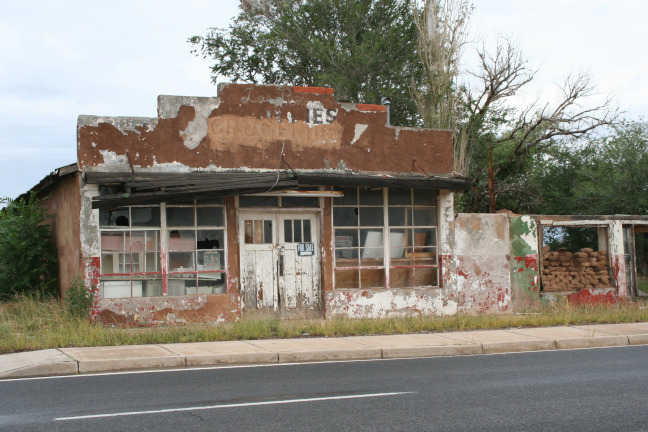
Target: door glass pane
x=267, y=232
x=298, y=232
x=307, y=231
x=288, y=238
x=258, y=232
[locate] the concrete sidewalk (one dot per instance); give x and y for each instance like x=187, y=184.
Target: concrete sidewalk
x=69, y=361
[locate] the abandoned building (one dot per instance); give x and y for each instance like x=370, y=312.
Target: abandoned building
x=281, y=199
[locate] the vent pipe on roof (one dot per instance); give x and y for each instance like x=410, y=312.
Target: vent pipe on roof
x=385, y=101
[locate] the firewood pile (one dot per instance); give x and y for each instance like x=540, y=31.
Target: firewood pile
x=566, y=271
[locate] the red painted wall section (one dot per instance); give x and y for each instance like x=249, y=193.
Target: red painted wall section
x=588, y=296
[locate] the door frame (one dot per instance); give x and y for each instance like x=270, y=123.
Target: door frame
x=276, y=215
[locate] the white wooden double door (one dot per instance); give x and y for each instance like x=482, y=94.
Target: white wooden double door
x=280, y=262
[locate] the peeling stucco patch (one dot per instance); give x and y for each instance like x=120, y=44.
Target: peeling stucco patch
x=123, y=124
x=388, y=303
x=359, y=130
x=113, y=160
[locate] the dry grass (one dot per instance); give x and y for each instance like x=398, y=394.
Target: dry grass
x=28, y=323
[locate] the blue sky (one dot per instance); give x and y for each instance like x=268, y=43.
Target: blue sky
x=71, y=57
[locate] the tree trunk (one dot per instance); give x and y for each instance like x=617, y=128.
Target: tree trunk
x=491, y=182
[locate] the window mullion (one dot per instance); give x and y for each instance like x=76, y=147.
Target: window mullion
x=164, y=248
x=386, y=237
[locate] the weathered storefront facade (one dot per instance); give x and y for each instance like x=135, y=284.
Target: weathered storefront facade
x=280, y=200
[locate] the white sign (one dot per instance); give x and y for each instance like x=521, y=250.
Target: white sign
x=305, y=249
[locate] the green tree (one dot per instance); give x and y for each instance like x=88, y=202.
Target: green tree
x=495, y=139
x=27, y=255
x=597, y=175
x=364, y=49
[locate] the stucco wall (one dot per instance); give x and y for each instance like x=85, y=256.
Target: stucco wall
x=252, y=126
x=64, y=202
x=482, y=251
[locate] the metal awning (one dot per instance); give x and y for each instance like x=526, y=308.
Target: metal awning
x=153, y=188
x=415, y=181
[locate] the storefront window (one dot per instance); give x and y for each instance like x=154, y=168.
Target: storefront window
x=130, y=252
x=385, y=238
x=132, y=247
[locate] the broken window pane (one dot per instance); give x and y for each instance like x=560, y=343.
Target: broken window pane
x=145, y=216
x=113, y=218
x=345, y=216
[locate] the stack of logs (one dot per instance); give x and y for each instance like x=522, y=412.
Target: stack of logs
x=566, y=271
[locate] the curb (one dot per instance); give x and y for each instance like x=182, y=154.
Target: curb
x=73, y=361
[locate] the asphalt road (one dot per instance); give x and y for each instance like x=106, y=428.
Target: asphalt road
x=580, y=390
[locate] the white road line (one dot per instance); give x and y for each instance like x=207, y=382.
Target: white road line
x=235, y=405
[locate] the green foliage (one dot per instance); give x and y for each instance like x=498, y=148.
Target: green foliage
x=597, y=175
x=363, y=49
x=27, y=255
x=79, y=298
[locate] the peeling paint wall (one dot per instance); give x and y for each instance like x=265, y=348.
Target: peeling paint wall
x=388, y=303
x=169, y=310
x=483, y=273
x=250, y=126
x=525, y=285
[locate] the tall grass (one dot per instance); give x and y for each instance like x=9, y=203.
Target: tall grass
x=33, y=323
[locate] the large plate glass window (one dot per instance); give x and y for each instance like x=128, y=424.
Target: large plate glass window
x=130, y=252
x=196, y=249
x=385, y=238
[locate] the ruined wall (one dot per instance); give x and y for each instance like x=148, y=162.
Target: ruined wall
x=64, y=202
x=169, y=310
x=252, y=126
x=482, y=253
x=525, y=286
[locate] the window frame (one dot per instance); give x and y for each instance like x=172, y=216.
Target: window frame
x=138, y=280
x=386, y=229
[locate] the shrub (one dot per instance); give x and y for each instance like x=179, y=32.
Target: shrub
x=27, y=254
x=79, y=298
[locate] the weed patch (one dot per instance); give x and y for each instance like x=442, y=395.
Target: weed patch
x=37, y=322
